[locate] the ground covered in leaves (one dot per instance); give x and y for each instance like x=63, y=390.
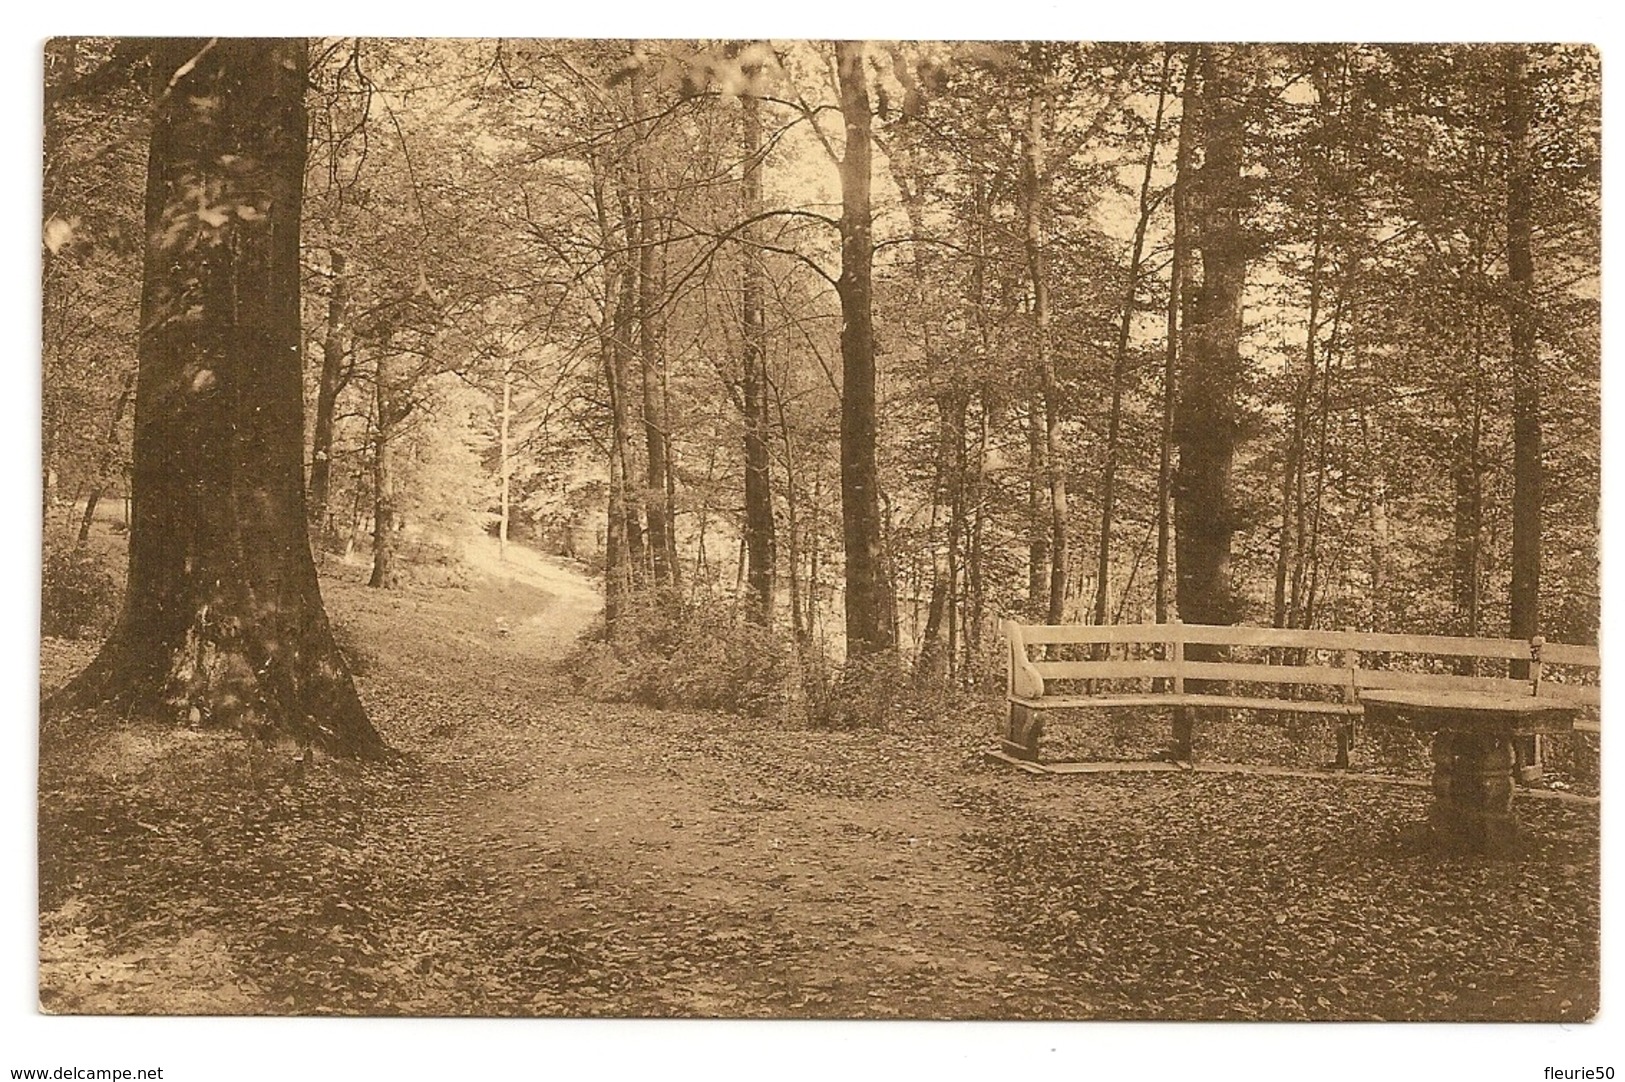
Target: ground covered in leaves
x=534, y=852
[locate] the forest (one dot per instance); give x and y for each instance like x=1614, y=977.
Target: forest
x=426, y=409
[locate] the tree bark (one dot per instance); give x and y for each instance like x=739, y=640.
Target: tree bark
x=223, y=621
x=1209, y=420
x=505, y=457
x=870, y=606
x=1114, y=421
x=387, y=418
x=1178, y=270
x=759, y=531
x=1292, y=459
x=1527, y=469
x=1035, y=181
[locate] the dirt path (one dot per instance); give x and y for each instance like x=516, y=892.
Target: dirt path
x=732, y=868
x=538, y=852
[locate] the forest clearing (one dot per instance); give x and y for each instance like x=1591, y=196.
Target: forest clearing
x=595, y=528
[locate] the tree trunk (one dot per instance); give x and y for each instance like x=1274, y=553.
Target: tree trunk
x=1035, y=182
x=505, y=457
x=1209, y=421
x=1038, y=538
x=1177, y=271
x=327, y=393
x=627, y=411
x=1292, y=458
x=104, y=461
x=223, y=620
x=1114, y=422
x=1527, y=470
x=618, y=556
x=384, y=574
x=759, y=535
x=870, y=607
x=651, y=349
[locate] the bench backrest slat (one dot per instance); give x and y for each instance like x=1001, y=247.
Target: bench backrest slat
x=1557, y=653
x=1302, y=638
x=1266, y=674
x=1363, y=641
x=1102, y=670
x=1040, y=634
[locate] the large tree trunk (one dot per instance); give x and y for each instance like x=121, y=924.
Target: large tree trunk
x=327, y=393
x=1209, y=421
x=223, y=620
x=869, y=603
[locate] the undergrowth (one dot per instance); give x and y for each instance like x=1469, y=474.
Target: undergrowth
x=81, y=593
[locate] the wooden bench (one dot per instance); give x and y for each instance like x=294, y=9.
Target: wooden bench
x=1288, y=670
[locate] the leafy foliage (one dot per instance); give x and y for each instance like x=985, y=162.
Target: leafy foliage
x=696, y=655
x=81, y=593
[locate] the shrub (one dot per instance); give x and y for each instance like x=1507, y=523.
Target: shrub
x=80, y=597
x=431, y=562
x=681, y=654
x=864, y=693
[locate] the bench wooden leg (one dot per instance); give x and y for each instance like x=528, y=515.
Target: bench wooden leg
x=1345, y=741
x=1182, y=742
x=1023, y=732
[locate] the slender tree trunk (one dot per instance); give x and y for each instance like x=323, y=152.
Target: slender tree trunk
x=1292, y=459
x=1527, y=469
x=1036, y=182
x=623, y=405
x=384, y=573
x=505, y=457
x=800, y=608
x=621, y=526
x=1038, y=537
x=975, y=571
x=1178, y=269
x=870, y=606
x=1307, y=616
x=223, y=621
x=759, y=532
x=327, y=391
x=104, y=461
x=651, y=349
x=1114, y=422
x=933, y=659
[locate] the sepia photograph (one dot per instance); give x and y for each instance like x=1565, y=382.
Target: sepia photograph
x=819, y=529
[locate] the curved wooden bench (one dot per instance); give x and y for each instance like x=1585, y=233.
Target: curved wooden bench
x=1303, y=671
